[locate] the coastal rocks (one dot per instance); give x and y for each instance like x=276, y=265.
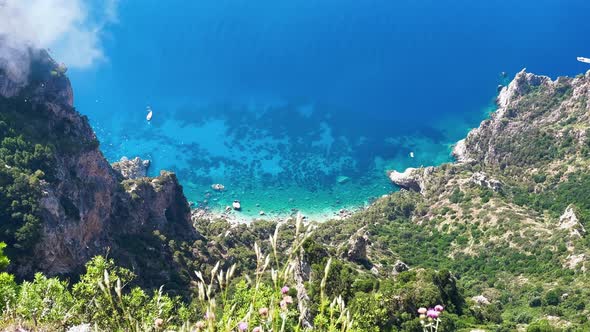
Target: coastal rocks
x=460, y=152
x=237, y=205
x=412, y=178
x=132, y=168
x=521, y=84
x=399, y=267
x=569, y=221
x=357, y=247
x=483, y=180
x=527, y=108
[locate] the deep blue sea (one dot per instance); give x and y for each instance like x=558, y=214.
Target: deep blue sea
x=306, y=104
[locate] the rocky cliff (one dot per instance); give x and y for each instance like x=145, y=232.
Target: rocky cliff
x=86, y=208
x=515, y=175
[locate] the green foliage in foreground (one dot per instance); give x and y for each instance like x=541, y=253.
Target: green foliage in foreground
x=103, y=299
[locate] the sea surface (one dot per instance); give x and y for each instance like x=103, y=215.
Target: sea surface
x=304, y=105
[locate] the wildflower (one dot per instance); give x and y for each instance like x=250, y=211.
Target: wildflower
x=439, y=308
x=158, y=323
x=422, y=316
x=433, y=314
x=242, y=326
x=285, y=290
x=283, y=304
x=263, y=312
x=200, y=325
x=288, y=299
x=257, y=329
x=422, y=310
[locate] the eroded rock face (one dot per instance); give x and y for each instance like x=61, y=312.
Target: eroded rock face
x=483, y=180
x=412, y=178
x=84, y=208
x=527, y=110
x=132, y=168
x=569, y=221
x=460, y=152
x=357, y=247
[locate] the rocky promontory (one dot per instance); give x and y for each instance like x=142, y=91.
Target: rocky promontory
x=132, y=168
x=86, y=206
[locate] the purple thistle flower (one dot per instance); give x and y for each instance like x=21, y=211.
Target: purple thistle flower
x=439, y=308
x=422, y=310
x=431, y=313
x=285, y=290
x=242, y=326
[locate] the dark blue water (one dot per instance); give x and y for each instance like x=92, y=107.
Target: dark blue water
x=278, y=99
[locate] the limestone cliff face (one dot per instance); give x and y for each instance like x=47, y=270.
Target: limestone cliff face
x=87, y=207
x=534, y=112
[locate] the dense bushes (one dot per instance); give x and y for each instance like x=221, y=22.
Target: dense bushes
x=23, y=166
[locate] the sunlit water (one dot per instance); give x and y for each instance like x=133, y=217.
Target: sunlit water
x=306, y=104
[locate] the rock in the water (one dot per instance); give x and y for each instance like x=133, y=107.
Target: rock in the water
x=483, y=180
x=237, y=205
x=132, y=168
x=569, y=221
x=400, y=267
x=342, y=179
x=218, y=187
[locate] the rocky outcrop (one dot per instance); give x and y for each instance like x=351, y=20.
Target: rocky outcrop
x=483, y=180
x=84, y=208
x=400, y=267
x=357, y=247
x=481, y=300
x=132, y=168
x=528, y=109
x=301, y=274
x=460, y=152
x=570, y=222
x=412, y=178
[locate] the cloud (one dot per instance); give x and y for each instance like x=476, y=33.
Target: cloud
x=72, y=29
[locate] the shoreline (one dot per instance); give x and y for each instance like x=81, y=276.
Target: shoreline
x=237, y=217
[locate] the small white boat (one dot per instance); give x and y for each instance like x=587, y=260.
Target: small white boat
x=150, y=114
x=582, y=59
x=412, y=154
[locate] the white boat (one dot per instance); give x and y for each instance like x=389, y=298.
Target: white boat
x=582, y=59
x=150, y=114
x=411, y=154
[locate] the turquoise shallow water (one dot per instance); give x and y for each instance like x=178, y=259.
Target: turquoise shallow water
x=277, y=100
x=278, y=158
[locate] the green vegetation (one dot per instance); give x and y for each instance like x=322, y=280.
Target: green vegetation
x=23, y=166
